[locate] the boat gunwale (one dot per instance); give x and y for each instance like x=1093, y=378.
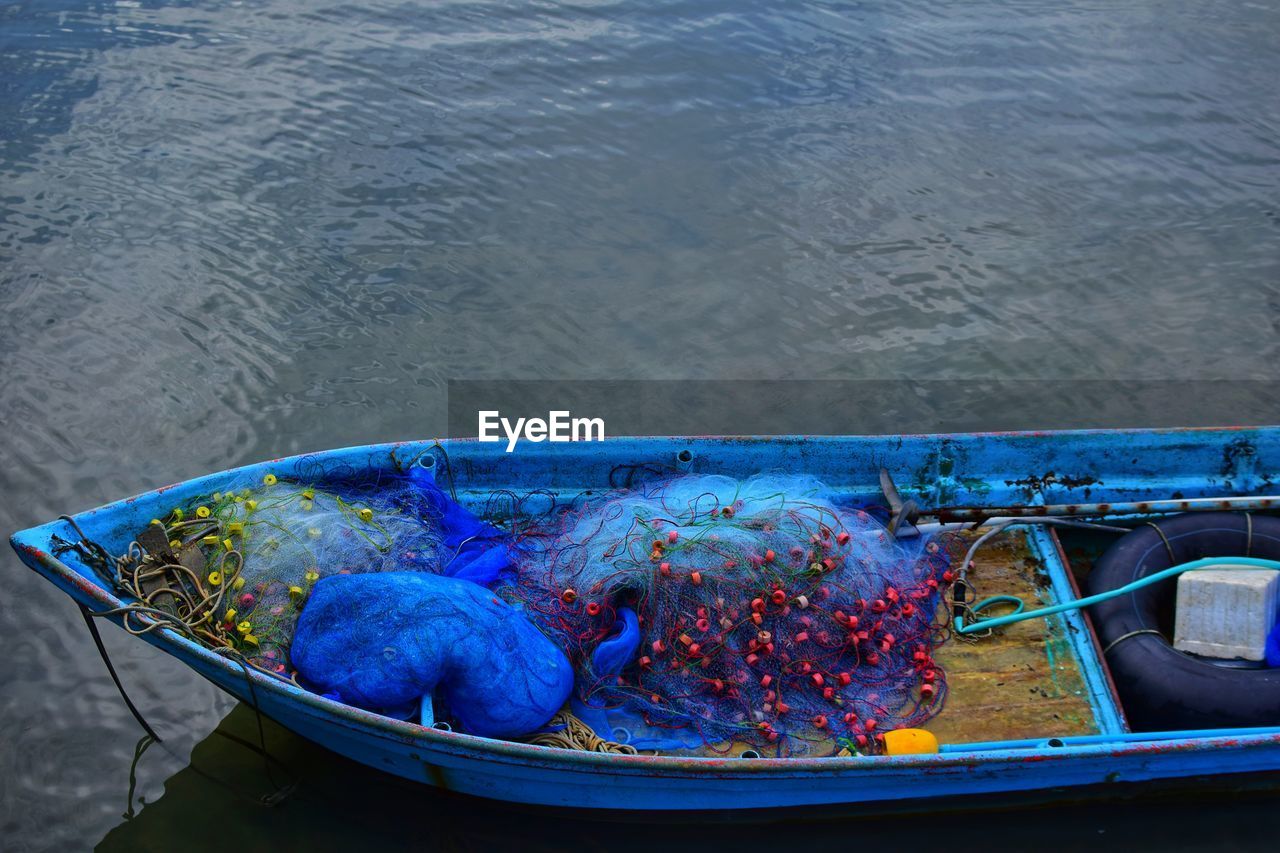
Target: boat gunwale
x=86, y=590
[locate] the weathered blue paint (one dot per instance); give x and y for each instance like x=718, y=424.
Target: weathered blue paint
x=1080, y=740
x=975, y=469
x=1106, y=710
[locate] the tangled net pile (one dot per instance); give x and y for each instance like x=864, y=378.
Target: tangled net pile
x=237, y=567
x=721, y=611
x=696, y=611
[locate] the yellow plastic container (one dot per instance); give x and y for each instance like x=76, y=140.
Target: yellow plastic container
x=910, y=742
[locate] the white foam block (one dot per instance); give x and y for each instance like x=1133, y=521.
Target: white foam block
x=1226, y=613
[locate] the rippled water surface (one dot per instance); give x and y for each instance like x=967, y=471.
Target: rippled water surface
x=230, y=231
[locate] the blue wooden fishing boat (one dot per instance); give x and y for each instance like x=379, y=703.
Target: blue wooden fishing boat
x=1119, y=473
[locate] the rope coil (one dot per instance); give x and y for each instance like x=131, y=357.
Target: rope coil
x=572, y=733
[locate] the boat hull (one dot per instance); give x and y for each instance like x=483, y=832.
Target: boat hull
x=933, y=468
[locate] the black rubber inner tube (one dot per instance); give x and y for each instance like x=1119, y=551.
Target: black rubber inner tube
x=1160, y=687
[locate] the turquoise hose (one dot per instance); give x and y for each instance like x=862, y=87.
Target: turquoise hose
x=1021, y=614
x=1019, y=606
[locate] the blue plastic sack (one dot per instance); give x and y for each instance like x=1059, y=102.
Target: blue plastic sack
x=384, y=641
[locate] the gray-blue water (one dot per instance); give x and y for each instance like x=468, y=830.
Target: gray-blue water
x=235, y=230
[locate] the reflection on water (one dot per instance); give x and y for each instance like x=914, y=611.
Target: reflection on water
x=235, y=229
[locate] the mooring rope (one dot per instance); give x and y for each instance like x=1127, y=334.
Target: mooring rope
x=106, y=658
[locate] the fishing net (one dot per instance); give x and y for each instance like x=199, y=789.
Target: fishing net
x=369, y=591
x=689, y=612
x=703, y=610
x=391, y=641
x=253, y=555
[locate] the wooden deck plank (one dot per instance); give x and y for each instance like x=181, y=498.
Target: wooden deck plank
x=1023, y=681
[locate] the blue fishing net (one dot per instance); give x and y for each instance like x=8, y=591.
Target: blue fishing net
x=369, y=589
x=386, y=641
x=710, y=611
x=266, y=545
x=690, y=612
